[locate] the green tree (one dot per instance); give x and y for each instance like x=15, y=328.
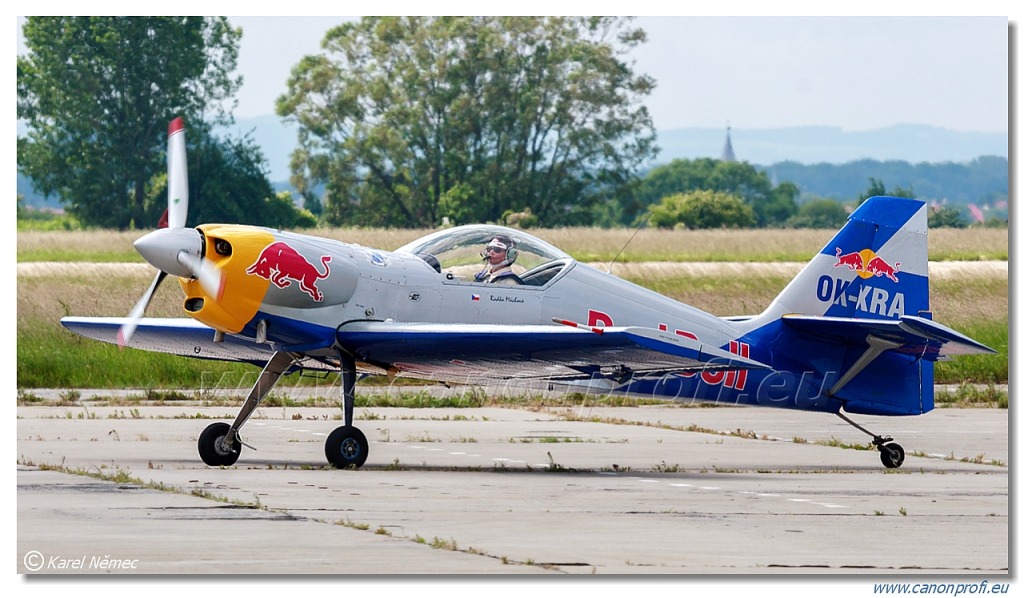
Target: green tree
x=877, y=188
x=407, y=120
x=780, y=205
x=97, y=93
x=819, y=213
x=227, y=183
x=771, y=206
x=947, y=217
x=702, y=209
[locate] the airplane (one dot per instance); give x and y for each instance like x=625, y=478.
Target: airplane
x=851, y=333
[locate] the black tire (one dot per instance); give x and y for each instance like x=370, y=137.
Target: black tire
x=211, y=450
x=892, y=455
x=346, y=448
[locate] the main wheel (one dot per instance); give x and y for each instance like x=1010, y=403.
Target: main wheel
x=212, y=449
x=347, y=448
x=892, y=455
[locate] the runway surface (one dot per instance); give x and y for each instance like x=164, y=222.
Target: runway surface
x=609, y=490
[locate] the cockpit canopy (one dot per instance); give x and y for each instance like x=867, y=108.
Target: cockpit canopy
x=458, y=250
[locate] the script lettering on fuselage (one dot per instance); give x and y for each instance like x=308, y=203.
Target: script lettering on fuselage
x=686, y=333
x=598, y=319
x=866, y=298
x=731, y=379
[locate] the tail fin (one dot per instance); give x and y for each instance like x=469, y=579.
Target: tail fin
x=856, y=318
x=875, y=267
x=842, y=317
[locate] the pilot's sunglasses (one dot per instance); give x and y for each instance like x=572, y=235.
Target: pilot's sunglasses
x=494, y=250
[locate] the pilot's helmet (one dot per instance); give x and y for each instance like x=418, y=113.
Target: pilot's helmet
x=506, y=244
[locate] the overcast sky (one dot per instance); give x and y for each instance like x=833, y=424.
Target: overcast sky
x=753, y=72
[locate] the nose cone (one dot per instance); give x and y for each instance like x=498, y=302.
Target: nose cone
x=162, y=246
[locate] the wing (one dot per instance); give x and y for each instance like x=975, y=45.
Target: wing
x=469, y=353
x=178, y=336
x=452, y=352
x=909, y=334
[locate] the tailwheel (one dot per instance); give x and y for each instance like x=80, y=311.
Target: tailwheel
x=212, y=448
x=892, y=455
x=346, y=448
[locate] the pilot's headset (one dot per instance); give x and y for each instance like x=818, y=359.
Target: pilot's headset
x=506, y=243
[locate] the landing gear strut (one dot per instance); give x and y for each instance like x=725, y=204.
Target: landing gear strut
x=220, y=444
x=346, y=447
x=891, y=453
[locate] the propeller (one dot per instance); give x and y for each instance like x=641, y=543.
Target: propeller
x=124, y=335
x=209, y=277
x=173, y=250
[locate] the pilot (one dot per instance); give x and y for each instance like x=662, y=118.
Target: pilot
x=499, y=255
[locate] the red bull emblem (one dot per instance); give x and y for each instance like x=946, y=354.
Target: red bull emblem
x=279, y=262
x=866, y=264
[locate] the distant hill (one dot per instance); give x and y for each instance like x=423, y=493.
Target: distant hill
x=814, y=145
x=805, y=145
x=767, y=147
x=984, y=180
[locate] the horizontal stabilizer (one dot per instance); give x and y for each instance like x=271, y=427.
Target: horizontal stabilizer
x=913, y=335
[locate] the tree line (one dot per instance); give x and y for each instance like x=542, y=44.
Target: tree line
x=706, y=193
x=983, y=180
x=403, y=121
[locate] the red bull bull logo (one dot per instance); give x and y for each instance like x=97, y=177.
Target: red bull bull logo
x=866, y=264
x=281, y=264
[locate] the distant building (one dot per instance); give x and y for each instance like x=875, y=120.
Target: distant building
x=727, y=154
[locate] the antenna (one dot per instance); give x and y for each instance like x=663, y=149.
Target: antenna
x=630, y=240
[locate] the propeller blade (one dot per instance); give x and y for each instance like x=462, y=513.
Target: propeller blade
x=177, y=174
x=171, y=249
x=208, y=275
x=124, y=336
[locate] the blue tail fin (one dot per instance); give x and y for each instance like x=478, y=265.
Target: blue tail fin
x=875, y=267
x=841, y=318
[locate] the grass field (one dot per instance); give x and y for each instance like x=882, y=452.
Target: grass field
x=50, y=357
x=585, y=244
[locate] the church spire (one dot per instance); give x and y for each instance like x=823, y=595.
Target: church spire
x=727, y=154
